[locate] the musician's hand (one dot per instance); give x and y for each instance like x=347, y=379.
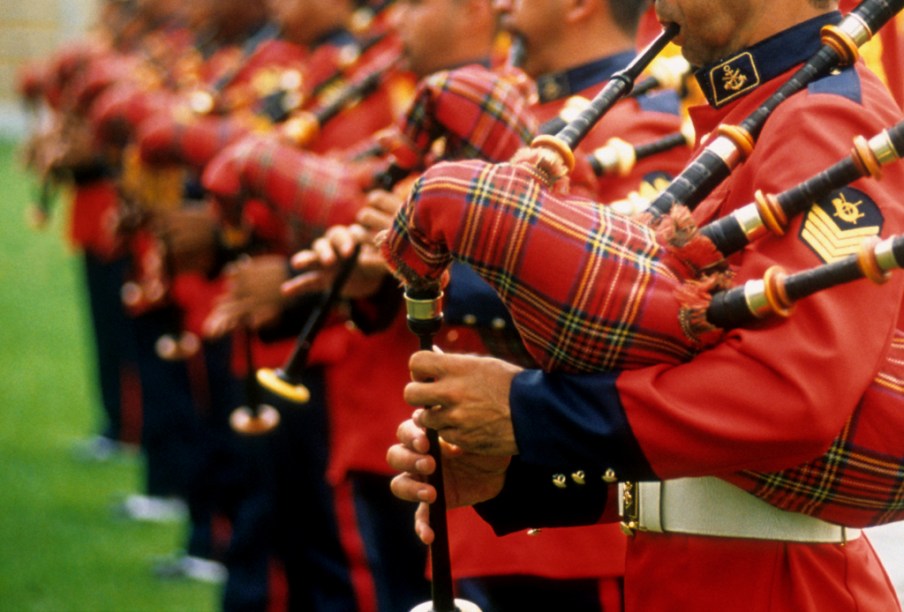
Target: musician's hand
x=320, y=264
x=468, y=478
x=380, y=210
x=45, y=148
x=190, y=235
x=252, y=295
x=76, y=146
x=470, y=395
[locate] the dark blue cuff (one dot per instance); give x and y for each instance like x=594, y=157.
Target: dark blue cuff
x=575, y=422
x=530, y=498
x=376, y=313
x=470, y=301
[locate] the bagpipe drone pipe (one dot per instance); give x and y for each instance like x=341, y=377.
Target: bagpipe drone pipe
x=472, y=111
x=595, y=318
x=469, y=112
x=465, y=113
x=301, y=105
x=174, y=147
x=735, y=143
x=591, y=290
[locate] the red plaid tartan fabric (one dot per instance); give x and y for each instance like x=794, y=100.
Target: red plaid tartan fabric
x=313, y=190
x=117, y=111
x=859, y=481
x=588, y=289
x=477, y=113
x=65, y=72
x=593, y=291
x=165, y=139
x=480, y=114
x=30, y=82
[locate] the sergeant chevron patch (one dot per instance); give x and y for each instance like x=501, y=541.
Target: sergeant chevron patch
x=836, y=226
x=654, y=183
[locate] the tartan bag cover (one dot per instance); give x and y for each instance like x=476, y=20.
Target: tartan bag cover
x=193, y=141
x=475, y=111
x=593, y=291
x=480, y=114
x=588, y=289
x=315, y=191
x=120, y=109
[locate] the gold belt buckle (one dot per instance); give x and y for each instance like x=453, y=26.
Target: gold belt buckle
x=631, y=508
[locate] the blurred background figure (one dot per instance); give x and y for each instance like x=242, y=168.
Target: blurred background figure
x=124, y=120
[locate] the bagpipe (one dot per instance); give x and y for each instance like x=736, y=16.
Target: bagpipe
x=213, y=99
x=30, y=84
x=301, y=102
x=618, y=310
x=171, y=149
x=622, y=293
x=620, y=157
x=55, y=96
x=311, y=192
x=304, y=101
x=734, y=143
x=464, y=113
x=303, y=127
x=450, y=108
x=527, y=185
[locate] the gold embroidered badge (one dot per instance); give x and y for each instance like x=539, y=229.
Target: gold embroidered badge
x=836, y=226
x=550, y=88
x=653, y=184
x=733, y=80
x=849, y=212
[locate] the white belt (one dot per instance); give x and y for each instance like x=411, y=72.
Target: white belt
x=712, y=507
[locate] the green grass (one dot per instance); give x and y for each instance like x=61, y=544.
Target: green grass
x=61, y=548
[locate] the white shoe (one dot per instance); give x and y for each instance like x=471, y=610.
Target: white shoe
x=193, y=568
x=153, y=509
x=101, y=449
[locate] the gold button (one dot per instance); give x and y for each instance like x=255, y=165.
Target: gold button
x=578, y=477
x=469, y=319
x=629, y=528
x=498, y=323
x=609, y=476
x=551, y=90
x=290, y=80
x=559, y=481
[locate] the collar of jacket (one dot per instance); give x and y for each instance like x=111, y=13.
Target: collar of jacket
x=736, y=76
x=558, y=85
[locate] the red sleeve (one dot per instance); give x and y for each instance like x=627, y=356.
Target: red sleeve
x=777, y=395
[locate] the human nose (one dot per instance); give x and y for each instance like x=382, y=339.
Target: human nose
x=502, y=6
x=396, y=16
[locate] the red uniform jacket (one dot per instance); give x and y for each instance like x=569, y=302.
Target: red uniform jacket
x=580, y=552
x=766, y=398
